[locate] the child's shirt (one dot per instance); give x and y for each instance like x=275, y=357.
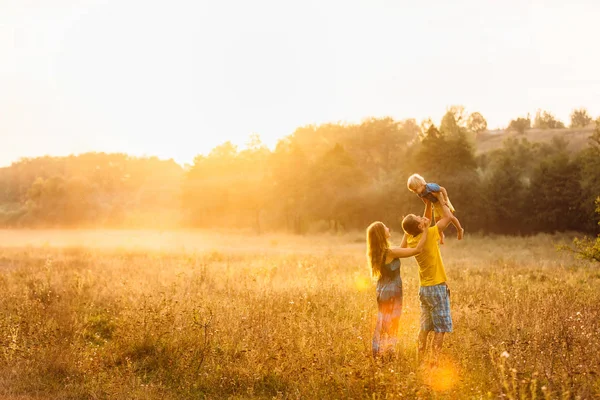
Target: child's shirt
x=431, y=188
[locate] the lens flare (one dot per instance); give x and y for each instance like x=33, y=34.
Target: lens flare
x=443, y=377
x=362, y=283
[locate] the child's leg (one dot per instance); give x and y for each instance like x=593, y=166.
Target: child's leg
x=459, y=228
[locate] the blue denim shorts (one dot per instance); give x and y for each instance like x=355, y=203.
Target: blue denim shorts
x=435, y=308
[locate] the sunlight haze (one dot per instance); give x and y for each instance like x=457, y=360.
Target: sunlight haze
x=175, y=79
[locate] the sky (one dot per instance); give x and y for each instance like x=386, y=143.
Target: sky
x=176, y=78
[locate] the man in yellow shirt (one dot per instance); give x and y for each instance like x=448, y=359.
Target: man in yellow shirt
x=434, y=294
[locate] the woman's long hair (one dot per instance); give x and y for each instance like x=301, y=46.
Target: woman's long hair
x=377, y=246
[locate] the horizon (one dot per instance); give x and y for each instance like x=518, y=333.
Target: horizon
x=270, y=147
x=176, y=81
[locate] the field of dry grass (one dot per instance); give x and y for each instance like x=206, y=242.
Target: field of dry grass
x=188, y=315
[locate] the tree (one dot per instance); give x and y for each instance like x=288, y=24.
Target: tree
x=209, y=191
x=476, y=123
x=505, y=187
x=449, y=125
x=555, y=184
x=503, y=195
x=580, y=118
x=333, y=187
x=376, y=143
x=287, y=173
x=595, y=138
x=253, y=188
x=411, y=128
x=424, y=127
x=520, y=125
x=61, y=201
x=586, y=248
x=459, y=113
x=589, y=162
x=546, y=120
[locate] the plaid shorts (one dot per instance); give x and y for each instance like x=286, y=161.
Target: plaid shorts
x=435, y=308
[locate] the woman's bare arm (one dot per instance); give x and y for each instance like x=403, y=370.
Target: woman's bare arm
x=404, y=252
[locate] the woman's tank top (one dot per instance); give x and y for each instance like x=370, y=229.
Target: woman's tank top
x=391, y=271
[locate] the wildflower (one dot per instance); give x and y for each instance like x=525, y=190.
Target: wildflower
x=505, y=354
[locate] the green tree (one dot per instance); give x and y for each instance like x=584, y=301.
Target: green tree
x=287, y=190
x=555, y=186
x=460, y=115
x=589, y=163
x=60, y=202
x=505, y=187
x=546, y=120
x=449, y=125
x=520, y=125
x=477, y=123
x=253, y=189
x=586, y=248
x=210, y=186
x=580, y=118
x=334, y=188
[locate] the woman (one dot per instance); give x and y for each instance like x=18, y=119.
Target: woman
x=385, y=267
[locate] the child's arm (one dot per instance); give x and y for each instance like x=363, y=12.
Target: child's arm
x=446, y=198
x=440, y=196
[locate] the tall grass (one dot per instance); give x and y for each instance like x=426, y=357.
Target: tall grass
x=81, y=323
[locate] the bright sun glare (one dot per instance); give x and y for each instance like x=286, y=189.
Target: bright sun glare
x=177, y=79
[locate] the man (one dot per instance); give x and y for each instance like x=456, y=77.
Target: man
x=434, y=294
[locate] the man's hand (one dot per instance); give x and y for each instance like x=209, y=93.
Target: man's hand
x=428, y=209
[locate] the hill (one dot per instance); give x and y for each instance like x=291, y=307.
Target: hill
x=576, y=137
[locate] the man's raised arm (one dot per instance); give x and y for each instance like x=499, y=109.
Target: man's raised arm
x=428, y=209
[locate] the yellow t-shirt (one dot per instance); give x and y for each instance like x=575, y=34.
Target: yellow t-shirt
x=431, y=266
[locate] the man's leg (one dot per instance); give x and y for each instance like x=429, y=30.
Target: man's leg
x=422, y=346
x=442, y=320
x=438, y=341
x=426, y=324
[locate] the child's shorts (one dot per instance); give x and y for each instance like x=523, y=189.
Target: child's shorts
x=438, y=212
x=435, y=308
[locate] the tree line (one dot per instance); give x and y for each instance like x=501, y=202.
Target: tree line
x=326, y=177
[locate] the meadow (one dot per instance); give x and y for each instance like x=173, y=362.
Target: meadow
x=193, y=315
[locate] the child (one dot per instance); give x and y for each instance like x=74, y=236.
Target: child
x=438, y=197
